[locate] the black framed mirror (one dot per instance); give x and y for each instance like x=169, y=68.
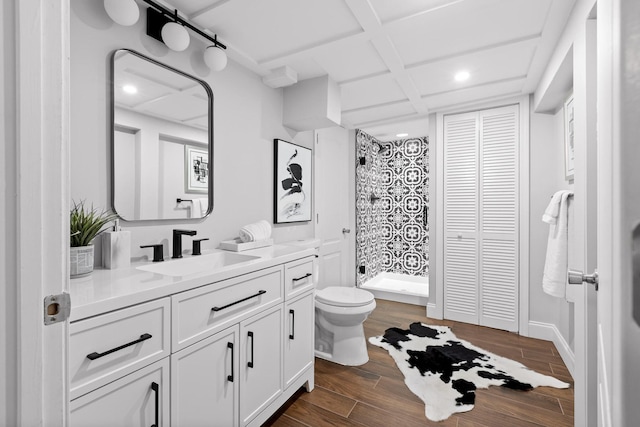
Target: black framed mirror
x=162, y=141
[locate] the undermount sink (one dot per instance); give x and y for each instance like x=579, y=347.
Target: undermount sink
x=197, y=264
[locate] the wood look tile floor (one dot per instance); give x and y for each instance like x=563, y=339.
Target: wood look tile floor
x=375, y=395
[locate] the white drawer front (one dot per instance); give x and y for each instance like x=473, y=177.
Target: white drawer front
x=106, y=347
x=130, y=401
x=198, y=313
x=298, y=277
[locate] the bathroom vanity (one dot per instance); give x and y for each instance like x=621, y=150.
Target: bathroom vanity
x=224, y=346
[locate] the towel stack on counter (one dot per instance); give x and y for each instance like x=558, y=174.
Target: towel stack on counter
x=255, y=232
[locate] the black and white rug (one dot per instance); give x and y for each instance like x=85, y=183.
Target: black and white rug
x=445, y=371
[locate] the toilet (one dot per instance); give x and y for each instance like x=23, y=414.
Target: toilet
x=340, y=312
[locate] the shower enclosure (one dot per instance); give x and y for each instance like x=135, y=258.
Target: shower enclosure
x=392, y=200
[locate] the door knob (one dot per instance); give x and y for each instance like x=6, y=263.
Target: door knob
x=577, y=278
x=346, y=230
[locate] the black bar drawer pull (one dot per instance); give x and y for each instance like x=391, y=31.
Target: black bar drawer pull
x=302, y=278
x=156, y=388
x=250, y=363
x=230, y=377
x=239, y=301
x=94, y=355
x=293, y=323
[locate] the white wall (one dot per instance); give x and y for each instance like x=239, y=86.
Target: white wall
x=547, y=176
x=247, y=116
x=8, y=237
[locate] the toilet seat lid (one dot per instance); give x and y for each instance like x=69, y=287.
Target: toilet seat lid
x=343, y=296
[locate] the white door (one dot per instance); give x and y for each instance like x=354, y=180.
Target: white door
x=583, y=248
x=39, y=201
x=332, y=155
x=618, y=212
x=481, y=197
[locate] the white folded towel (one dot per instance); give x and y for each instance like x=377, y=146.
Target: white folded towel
x=255, y=232
x=554, y=278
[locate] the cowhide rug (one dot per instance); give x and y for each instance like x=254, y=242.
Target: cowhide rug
x=445, y=371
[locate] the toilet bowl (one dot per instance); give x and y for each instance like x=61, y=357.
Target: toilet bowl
x=340, y=312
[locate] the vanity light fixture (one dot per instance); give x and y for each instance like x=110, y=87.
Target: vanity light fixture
x=169, y=28
x=401, y=135
x=175, y=36
x=123, y=12
x=215, y=57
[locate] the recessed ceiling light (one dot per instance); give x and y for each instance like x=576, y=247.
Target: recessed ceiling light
x=402, y=135
x=130, y=89
x=462, y=76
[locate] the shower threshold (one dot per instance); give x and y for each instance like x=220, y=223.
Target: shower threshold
x=399, y=287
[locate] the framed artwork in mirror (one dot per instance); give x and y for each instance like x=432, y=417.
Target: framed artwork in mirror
x=569, y=147
x=196, y=169
x=292, y=182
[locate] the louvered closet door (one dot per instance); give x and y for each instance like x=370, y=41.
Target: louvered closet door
x=498, y=200
x=461, y=217
x=481, y=217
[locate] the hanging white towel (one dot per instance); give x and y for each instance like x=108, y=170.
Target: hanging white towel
x=255, y=232
x=554, y=279
x=196, y=208
x=200, y=206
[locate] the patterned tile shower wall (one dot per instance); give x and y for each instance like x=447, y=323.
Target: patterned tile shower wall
x=392, y=197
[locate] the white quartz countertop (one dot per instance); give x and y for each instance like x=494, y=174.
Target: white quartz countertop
x=107, y=290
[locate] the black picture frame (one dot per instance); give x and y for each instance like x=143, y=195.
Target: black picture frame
x=292, y=183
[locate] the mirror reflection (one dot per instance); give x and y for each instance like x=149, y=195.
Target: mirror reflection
x=162, y=141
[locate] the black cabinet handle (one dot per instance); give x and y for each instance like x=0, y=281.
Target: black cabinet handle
x=156, y=388
x=94, y=355
x=239, y=301
x=302, y=278
x=230, y=377
x=250, y=363
x=293, y=323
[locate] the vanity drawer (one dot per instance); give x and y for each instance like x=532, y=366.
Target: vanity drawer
x=201, y=312
x=298, y=277
x=109, y=346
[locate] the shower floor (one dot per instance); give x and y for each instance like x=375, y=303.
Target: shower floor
x=400, y=288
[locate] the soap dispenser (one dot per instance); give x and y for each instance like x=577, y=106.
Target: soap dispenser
x=116, y=248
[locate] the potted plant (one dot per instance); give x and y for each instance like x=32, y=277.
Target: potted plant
x=85, y=225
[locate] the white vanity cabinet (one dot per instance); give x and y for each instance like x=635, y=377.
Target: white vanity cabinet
x=260, y=363
x=228, y=353
x=119, y=367
x=204, y=382
x=298, y=338
x=138, y=399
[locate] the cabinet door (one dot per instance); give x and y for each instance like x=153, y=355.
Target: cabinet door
x=204, y=382
x=138, y=399
x=260, y=362
x=298, y=337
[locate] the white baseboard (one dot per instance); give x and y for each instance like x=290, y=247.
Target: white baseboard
x=549, y=332
x=432, y=312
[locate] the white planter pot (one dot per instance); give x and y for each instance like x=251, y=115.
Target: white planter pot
x=81, y=261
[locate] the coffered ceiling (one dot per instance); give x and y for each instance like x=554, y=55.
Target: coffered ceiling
x=394, y=60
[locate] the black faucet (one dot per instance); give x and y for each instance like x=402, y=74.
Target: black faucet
x=177, y=241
